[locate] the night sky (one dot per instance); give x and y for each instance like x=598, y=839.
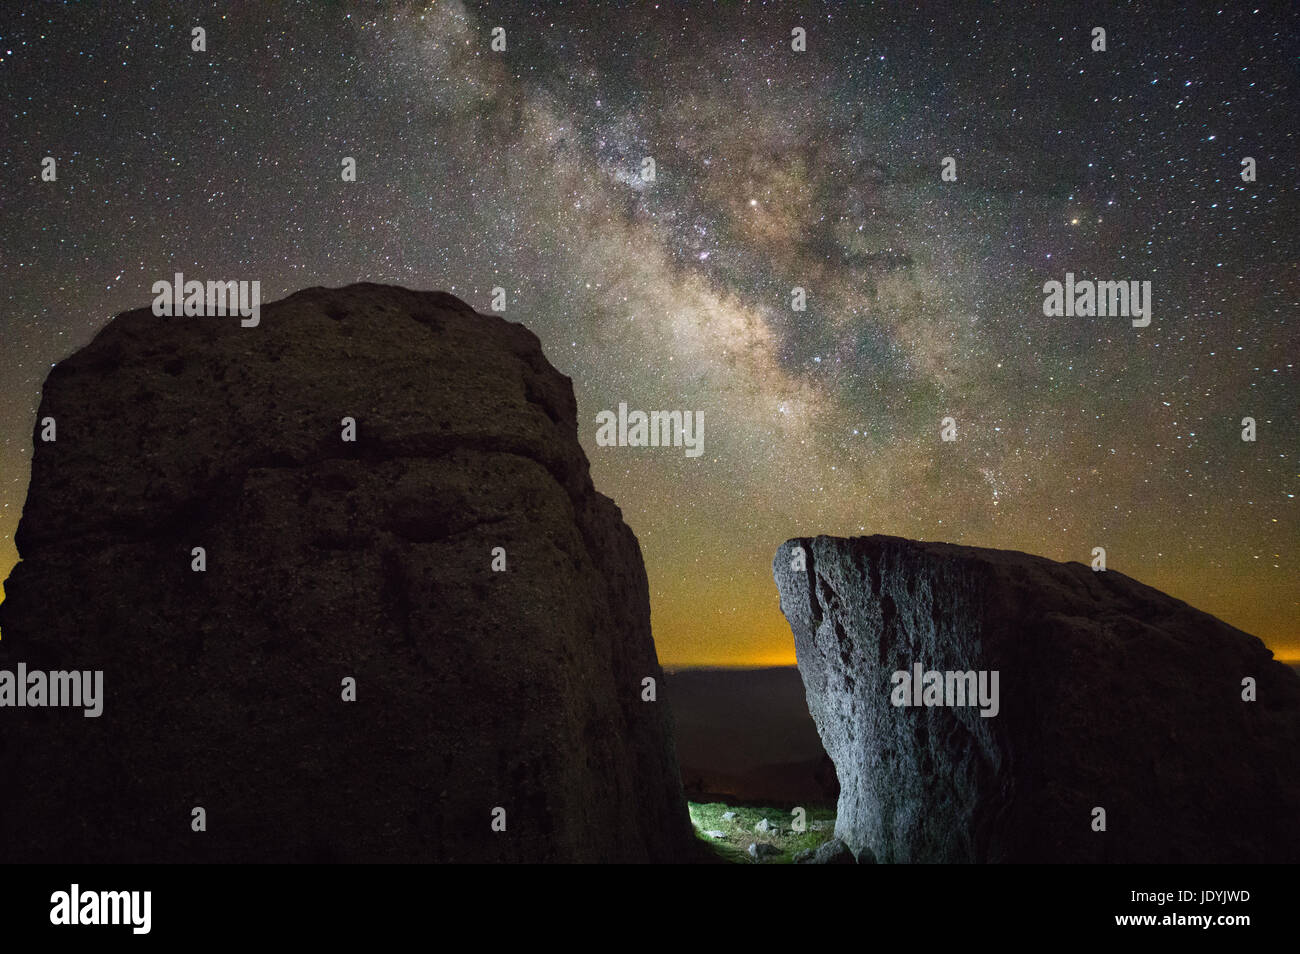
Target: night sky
x=773, y=169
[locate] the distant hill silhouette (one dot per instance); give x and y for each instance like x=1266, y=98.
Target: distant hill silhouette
x=747, y=734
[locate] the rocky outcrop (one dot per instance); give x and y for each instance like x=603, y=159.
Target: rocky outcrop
x=330, y=560
x=832, y=852
x=1111, y=696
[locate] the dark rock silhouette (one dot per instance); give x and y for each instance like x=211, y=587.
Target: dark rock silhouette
x=325, y=560
x=1111, y=695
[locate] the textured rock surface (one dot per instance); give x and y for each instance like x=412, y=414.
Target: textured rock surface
x=326, y=560
x=833, y=852
x=1112, y=695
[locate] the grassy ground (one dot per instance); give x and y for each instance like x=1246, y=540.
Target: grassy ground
x=740, y=834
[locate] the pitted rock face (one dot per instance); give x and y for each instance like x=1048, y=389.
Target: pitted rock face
x=1111, y=695
x=326, y=560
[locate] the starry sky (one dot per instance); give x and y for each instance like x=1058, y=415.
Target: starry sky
x=774, y=169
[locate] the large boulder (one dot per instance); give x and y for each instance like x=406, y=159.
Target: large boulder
x=329, y=560
x=1111, y=695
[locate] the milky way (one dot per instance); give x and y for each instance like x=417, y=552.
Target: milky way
x=774, y=169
